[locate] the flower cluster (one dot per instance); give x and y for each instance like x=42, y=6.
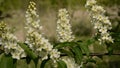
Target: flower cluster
x=101, y=22
x=35, y=40
x=64, y=34
x=71, y=62
x=9, y=43
x=64, y=31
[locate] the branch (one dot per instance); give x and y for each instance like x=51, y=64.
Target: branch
x=102, y=54
x=96, y=54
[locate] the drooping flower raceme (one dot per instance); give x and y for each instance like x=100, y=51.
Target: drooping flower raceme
x=101, y=22
x=64, y=32
x=9, y=43
x=35, y=40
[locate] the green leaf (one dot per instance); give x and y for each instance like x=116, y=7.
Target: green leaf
x=61, y=64
x=110, y=50
x=44, y=63
x=69, y=53
x=90, y=41
x=15, y=63
x=28, y=60
x=91, y=60
x=6, y=61
x=85, y=48
x=64, y=44
x=36, y=62
x=78, y=54
x=31, y=54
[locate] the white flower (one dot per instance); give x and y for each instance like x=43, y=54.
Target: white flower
x=110, y=39
x=71, y=62
x=106, y=21
x=9, y=42
x=34, y=39
x=31, y=16
x=97, y=9
x=105, y=36
x=101, y=22
x=23, y=54
x=64, y=32
x=97, y=25
x=16, y=55
x=45, y=57
x=10, y=45
x=54, y=54
x=103, y=30
x=90, y=3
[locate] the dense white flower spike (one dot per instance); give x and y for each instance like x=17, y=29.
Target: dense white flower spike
x=101, y=22
x=35, y=40
x=9, y=43
x=71, y=62
x=64, y=32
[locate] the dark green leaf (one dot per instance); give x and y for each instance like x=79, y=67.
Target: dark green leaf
x=69, y=53
x=85, y=48
x=36, y=62
x=91, y=60
x=28, y=59
x=61, y=64
x=15, y=63
x=90, y=41
x=31, y=54
x=78, y=54
x=65, y=44
x=110, y=50
x=44, y=63
x=6, y=61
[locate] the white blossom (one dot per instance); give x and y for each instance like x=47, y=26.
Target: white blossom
x=90, y=2
x=71, y=62
x=54, y=54
x=64, y=32
x=97, y=9
x=34, y=39
x=101, y=22
x=9, y=42
x=103, y=30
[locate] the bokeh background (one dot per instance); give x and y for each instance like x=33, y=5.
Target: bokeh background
x=12, y=12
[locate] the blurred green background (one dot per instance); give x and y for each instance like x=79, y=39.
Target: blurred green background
x=13, y=13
